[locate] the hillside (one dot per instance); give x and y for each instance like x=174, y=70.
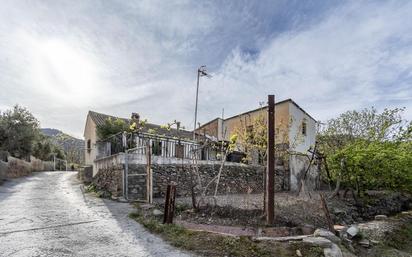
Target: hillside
x=73, y=147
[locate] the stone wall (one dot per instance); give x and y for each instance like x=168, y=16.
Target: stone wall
x=109, y=179
x=3, y=170
x=17, y=168
x=136, y=184
x=235, y=179
x=39, y=165
x=85, y=174
x=14, y=167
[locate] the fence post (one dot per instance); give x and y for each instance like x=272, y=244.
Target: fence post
x=149, y=178
x=125, y=176
x=327, y=213
x=169, y=204
x=270, y=173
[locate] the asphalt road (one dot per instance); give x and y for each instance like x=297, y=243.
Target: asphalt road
x=47, y=214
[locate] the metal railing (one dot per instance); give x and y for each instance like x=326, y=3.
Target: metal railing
x=161, y=145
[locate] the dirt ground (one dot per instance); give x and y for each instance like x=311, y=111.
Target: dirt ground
x=242, y=216
x=294, y=215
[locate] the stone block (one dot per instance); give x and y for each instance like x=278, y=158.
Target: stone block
x=318, y=241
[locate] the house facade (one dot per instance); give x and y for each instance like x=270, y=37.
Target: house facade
x=172, y=148
x=293, y=125
x=166, y=144
x=295, y=130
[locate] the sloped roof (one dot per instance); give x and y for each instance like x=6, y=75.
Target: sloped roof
x=276, y=103
x=258, y=109
x=100, y=118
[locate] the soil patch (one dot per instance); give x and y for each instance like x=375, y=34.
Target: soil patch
x=213, y=244
x=293, y=215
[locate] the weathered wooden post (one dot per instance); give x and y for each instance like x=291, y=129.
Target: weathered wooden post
x=169, y=204
x=270, y=173
x=149, y=176
x=126, y=166
x=327, y=213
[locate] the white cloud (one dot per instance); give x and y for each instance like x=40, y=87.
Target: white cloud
x=351, y=59
x=61, y=59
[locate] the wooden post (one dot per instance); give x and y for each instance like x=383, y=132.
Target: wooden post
x=270, y=173
x=327, y=213
x=169, y=204
x=126, y=176
x=149, y=178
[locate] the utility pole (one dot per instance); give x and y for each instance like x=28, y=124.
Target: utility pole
x=200, y=73
x=270, y=172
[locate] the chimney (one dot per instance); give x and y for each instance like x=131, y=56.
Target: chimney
x=136, y=118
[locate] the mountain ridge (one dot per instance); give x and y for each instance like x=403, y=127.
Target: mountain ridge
x=73, y=147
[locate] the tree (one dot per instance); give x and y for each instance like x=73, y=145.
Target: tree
x=366, y=124
x=44, y=148
x=368, y=150
x=72, y=147
x=18, y=130
x=116, y=126
x=111, y=127
x=252, y=138
x=203, y=186
x=375, y=165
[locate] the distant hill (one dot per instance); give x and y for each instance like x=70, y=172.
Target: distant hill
x=51, y=132
x=73, y=147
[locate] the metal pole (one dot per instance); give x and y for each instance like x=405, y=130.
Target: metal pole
x=54, y=162
x=271, y=162
x=197, y=96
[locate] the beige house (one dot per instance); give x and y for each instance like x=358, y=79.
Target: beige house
x=295, y=129
x=294, y=126
x=165, y=143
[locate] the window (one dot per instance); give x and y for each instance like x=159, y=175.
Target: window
x=179, y=150
x=156, y=147
x=89, y=146
x=304, y=128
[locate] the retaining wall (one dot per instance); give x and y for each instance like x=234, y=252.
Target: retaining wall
x=15, y=167
x=3, y=169
x=109, y=179
x=235, y=178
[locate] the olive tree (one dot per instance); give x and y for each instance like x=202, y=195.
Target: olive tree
x=18, y=130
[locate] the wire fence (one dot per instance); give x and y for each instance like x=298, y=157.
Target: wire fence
x=216, y=183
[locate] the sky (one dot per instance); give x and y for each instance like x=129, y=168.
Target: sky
x=62, y=58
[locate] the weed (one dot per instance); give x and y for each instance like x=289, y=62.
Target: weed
x=91, y=188
x=210, y=244
x=401, y=238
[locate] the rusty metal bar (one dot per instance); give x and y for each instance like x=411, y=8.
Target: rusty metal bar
x=169, y=204
x=270, y=180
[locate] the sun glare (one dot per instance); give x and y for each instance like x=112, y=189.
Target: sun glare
x=65, y=72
